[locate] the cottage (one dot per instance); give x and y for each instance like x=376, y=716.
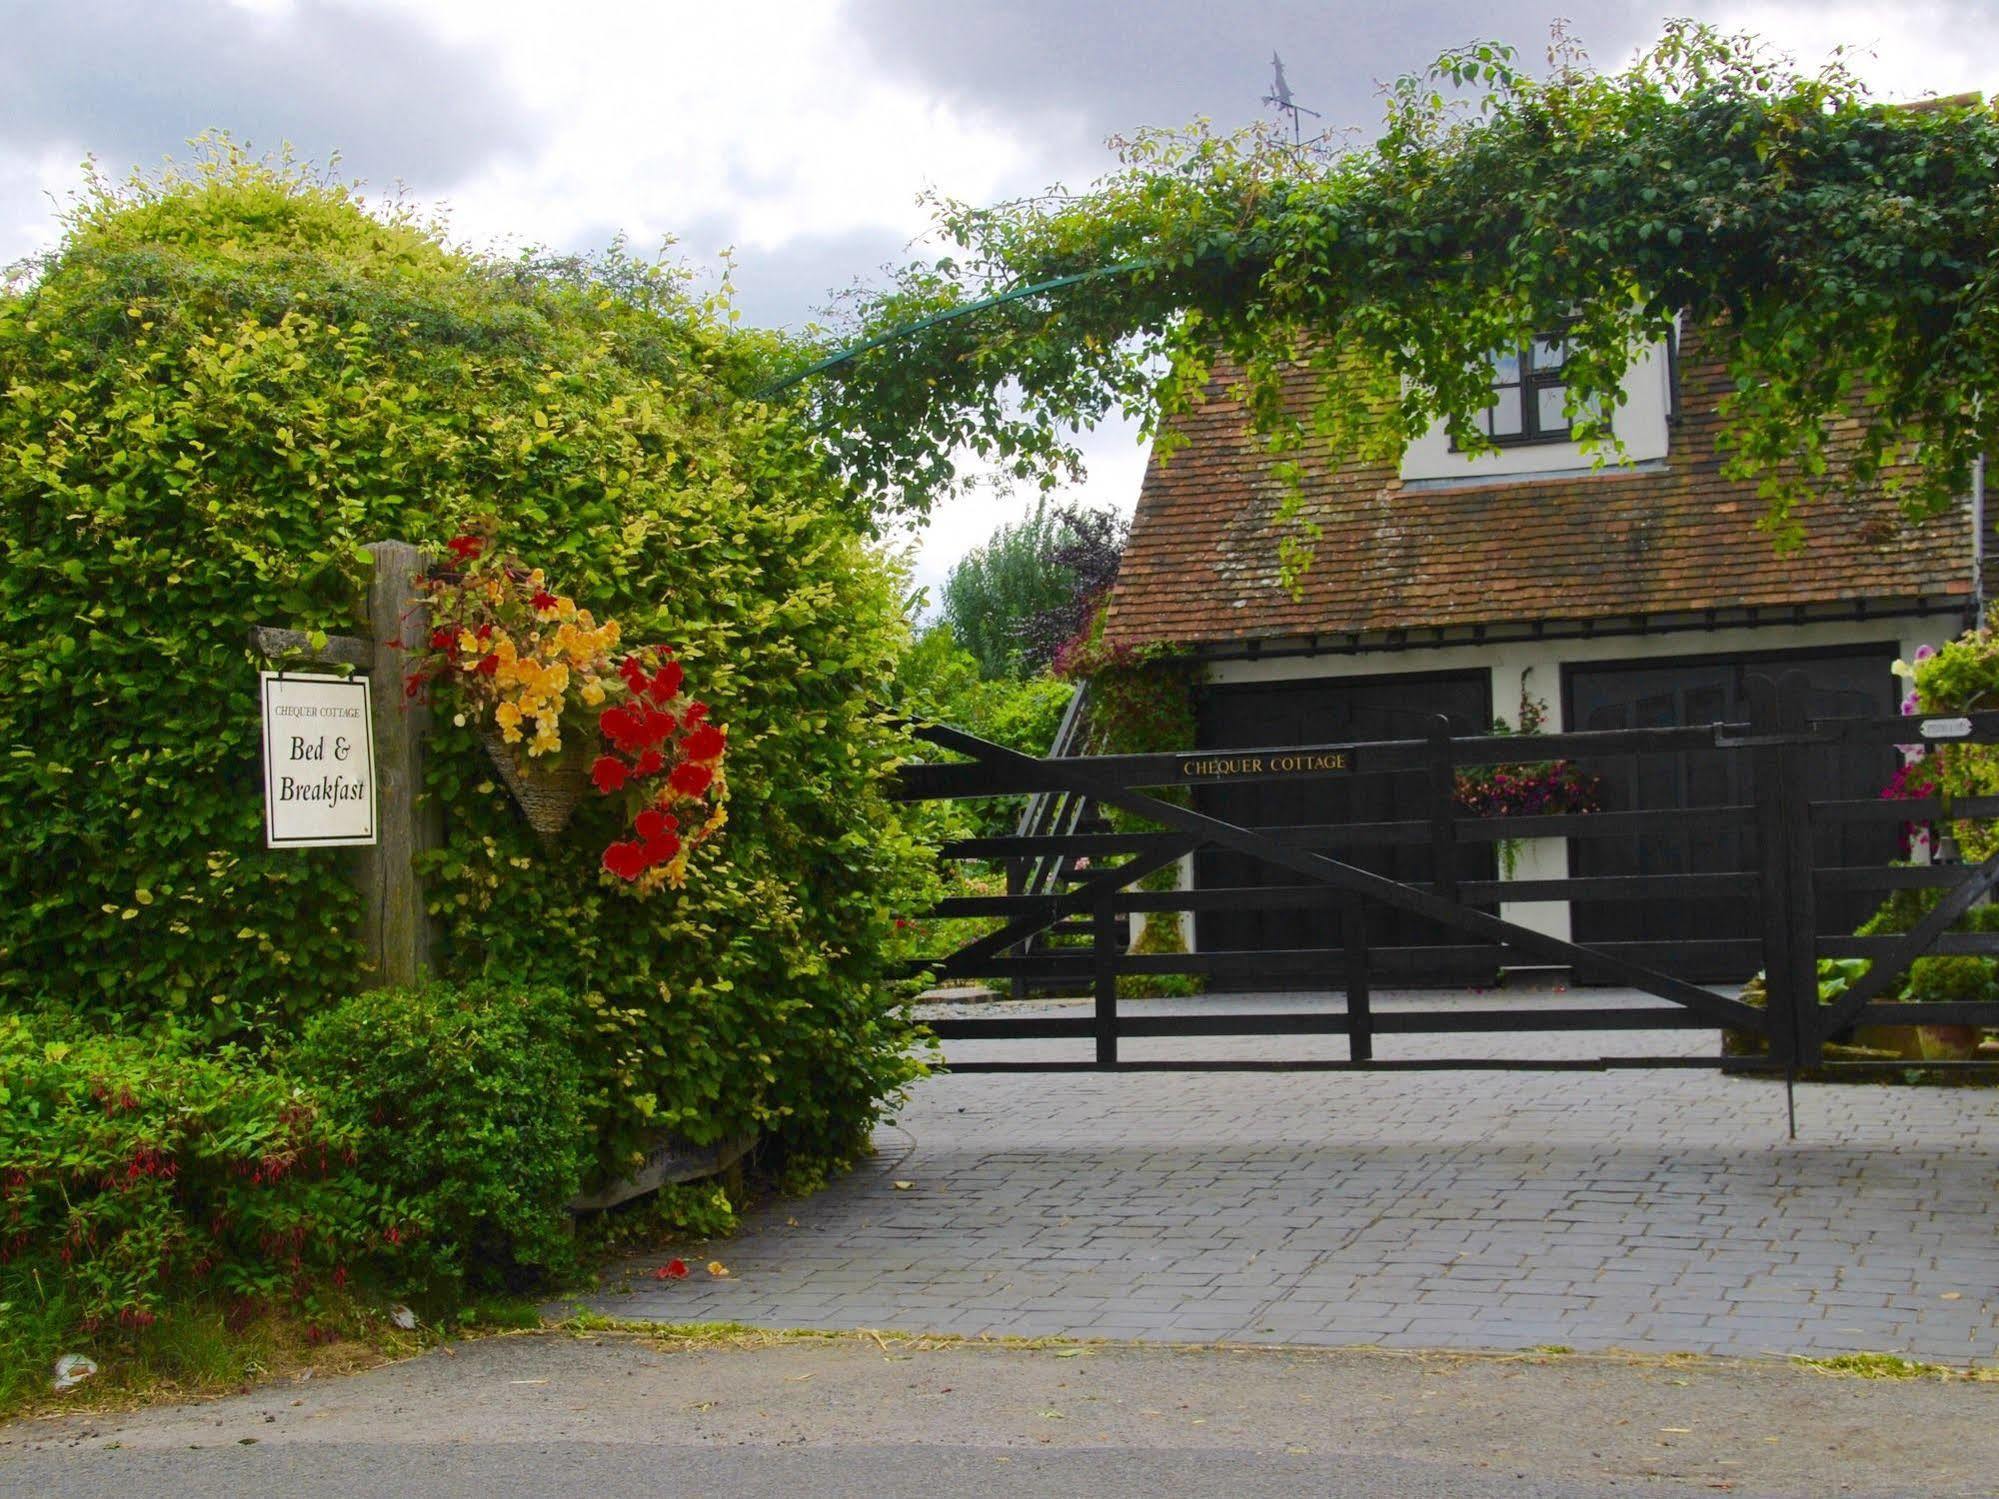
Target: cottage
x=1640, y=593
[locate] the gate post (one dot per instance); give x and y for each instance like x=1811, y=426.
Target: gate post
x=1777, y=714
x=1108, y=940
x=1800, y=902
x=1443, y=809
x=1360, y=1009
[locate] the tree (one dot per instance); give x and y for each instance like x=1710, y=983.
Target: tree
x=1845, y=247
x=1013, y=601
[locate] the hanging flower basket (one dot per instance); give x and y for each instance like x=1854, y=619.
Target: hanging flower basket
x=547, y=793
x=561, y=704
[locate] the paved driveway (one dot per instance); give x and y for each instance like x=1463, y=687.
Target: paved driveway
x=1659, y=1210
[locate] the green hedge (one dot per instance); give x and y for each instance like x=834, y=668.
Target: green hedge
x=465, y=1106
x=136, y=1172
x=223, y=384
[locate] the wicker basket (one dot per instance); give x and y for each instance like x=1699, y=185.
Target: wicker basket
x=547, y=793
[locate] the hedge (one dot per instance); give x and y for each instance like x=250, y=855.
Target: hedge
x=219, y=387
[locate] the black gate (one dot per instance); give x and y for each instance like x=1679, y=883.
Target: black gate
x=1781, y=882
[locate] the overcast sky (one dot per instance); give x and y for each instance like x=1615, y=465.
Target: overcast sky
x=798, y=133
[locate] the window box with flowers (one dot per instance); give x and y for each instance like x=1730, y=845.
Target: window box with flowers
x=564, y=704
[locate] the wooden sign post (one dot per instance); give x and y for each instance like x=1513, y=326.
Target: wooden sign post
x=394, y=921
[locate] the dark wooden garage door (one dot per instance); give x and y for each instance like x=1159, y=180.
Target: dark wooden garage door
x=1332, y=712
x=1647, y=694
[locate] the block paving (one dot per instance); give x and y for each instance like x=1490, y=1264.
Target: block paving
x=1662, y=1210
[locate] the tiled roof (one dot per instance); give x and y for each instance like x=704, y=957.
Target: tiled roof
x=1202, y=564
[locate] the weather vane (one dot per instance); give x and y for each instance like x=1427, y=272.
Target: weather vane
x=1280, y=96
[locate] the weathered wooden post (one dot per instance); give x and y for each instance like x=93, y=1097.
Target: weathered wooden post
x=396, y=926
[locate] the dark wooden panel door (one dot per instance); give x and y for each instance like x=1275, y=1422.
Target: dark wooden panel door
x=1331, y=712
x=1638, y=694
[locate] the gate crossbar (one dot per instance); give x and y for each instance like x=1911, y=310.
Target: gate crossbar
x=1202, y=829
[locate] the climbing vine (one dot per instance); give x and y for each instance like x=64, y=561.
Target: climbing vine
x=1839, y=245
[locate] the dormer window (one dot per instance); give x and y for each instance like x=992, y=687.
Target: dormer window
x=1532, y=430
x=1529, y=394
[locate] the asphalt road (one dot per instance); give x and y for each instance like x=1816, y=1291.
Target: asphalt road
x=617, y=1416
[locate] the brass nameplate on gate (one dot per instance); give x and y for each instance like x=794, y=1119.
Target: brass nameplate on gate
x=1223, y=767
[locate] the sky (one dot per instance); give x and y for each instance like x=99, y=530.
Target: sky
x=797, y=135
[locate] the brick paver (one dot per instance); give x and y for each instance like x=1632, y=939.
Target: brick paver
x=1660, y=1210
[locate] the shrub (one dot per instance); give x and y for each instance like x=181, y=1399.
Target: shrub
x=222, y=385
x=137, y=1171
x=466, y=1107
x=1953, y=977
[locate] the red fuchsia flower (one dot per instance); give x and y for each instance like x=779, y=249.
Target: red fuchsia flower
x=690, y=779
x=542, y=600
x=466, y=548
x=626, y=860
x=609, y=773
x=705, y=743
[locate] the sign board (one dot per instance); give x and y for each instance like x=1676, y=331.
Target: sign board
x=319, y=761
x=1227, y=767
x=1946, y=728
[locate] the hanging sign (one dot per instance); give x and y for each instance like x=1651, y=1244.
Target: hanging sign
x=319, y=761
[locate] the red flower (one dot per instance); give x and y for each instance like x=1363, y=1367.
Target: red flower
x=440, y=640
x=695, y=712
x=705, y=743
x=666, y=683
x=625, y=860
x=484, y=632
x=543, y=600
x=467, y=547
x=690, y=779
x=633, y=671
x=488, y=664
x=623, y=728
x=651, y=763
x=651, y=823
x=672, y=1270
x=609, y=773
x=661, y=849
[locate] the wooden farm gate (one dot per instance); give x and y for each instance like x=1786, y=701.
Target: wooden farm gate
x=1094, y=873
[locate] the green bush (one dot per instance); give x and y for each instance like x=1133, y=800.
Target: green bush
x=466, y=1107
x=134, y=1172
x=1953, y=977
x=224, y=383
